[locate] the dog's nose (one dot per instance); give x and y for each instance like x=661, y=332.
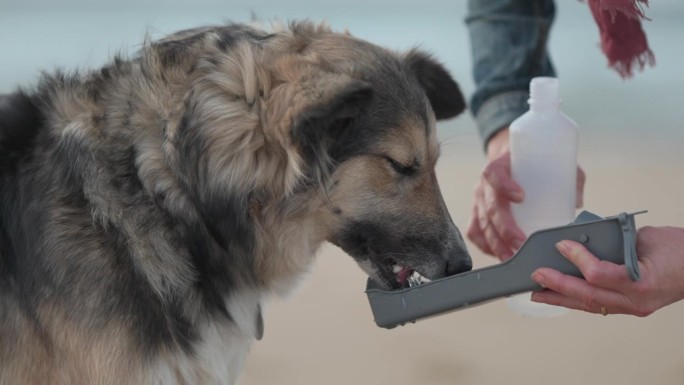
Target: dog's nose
x=457, y=256
x=459, y=264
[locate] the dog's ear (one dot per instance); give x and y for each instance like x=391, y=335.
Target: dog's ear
x=323, y=118
x=318, y=126
x=443, y=92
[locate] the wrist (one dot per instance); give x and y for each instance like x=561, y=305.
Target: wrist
x=498, y=144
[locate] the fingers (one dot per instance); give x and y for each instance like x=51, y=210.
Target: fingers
x=576, y=293
x=499, y=248
x=482, y=233
x=557, y=299
x=605, y=284
x=498, y=175
x=495, y=243
x=499, y=191
x=498, y=212
x=475, y=233
x=597, y=272
x=492, y=227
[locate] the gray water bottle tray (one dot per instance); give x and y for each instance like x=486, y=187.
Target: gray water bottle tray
x=611, y=239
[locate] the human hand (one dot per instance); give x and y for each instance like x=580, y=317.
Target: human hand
x=492, y=227
x=607, y=288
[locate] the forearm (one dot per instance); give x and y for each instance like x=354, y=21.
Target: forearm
x=509, y=48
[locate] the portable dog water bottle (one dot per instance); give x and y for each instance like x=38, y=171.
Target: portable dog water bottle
x=612, y=239
x=543, y=146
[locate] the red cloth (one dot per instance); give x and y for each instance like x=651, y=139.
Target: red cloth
x=623, y=41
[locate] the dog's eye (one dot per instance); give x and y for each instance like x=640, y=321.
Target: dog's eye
x=401, y=168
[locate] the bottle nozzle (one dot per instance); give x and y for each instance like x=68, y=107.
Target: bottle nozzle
x=544, y=91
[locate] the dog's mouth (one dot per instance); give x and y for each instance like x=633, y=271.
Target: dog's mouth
x=407, y=277
x=392, y=262
x=394, y=275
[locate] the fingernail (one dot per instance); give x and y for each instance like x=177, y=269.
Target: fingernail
x=539, y=278
x=534, y=298
x=563, y=247
x=516, y=195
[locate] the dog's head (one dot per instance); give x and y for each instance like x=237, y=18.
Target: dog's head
x=370, y=141
x=311, y=114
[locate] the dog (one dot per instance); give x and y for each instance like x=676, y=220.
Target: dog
x=149, y=207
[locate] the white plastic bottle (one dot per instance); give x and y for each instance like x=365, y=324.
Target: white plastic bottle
x=543, y=146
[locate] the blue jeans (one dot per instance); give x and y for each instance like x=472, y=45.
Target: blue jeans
x=509, y=47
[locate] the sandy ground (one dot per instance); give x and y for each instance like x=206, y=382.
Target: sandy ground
x=324, y=332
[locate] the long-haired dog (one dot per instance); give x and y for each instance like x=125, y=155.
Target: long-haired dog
x=147, y=208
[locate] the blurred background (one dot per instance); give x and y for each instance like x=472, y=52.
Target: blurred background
x=631, y=134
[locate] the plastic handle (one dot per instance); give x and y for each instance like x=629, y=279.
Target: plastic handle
x=611, y=239
x=629, y=244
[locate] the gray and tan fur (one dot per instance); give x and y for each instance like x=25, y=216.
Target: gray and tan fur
x=147, y=208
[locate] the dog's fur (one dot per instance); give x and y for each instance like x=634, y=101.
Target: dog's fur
x=148, y=207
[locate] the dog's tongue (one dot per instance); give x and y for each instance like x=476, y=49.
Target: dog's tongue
x=403, y=275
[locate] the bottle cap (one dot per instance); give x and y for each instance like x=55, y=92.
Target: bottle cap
x=544, y=91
